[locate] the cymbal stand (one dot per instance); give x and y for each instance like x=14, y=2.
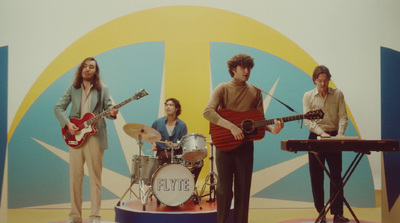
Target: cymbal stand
x=127, y=190
x=172, y=154
x=143, y=195
x=173, y=148
x=211, y=176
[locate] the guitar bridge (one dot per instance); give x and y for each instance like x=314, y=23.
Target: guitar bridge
x=72, y=143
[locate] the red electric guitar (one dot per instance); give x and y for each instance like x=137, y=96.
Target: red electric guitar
x=87, y=124
x=252, y=124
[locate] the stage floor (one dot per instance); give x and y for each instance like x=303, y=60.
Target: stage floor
x=189, y=206
x=132, y=211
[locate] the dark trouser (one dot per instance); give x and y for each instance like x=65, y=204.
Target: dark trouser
x=235, y=168
x=334, y=161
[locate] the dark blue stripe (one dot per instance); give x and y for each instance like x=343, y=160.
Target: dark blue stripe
x=3, y=111
x=390, y=122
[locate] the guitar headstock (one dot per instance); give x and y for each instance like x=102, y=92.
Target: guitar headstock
x=314, y=114
x=140, y=94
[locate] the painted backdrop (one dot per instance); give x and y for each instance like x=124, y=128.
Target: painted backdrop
x=178, y=51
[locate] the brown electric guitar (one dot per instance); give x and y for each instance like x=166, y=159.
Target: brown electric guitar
x=87, y=124
x=252, y=124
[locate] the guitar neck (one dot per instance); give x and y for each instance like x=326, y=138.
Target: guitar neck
x=266, y=122
x=138, y=95
x=107, y=112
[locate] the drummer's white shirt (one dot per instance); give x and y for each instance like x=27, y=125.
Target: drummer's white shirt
x=170, y=129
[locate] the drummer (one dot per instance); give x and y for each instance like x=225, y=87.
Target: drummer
x=171, y=129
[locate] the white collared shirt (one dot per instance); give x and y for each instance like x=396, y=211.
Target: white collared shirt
x=85, y=100
x=333, y=106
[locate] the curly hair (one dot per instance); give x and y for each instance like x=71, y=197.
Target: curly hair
x=177, y=105
x=241, y=59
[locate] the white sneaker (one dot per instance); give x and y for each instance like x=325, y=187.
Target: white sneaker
x=70, y=221
x=95, y=221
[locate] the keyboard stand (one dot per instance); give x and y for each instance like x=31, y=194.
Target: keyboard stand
x=339, y=188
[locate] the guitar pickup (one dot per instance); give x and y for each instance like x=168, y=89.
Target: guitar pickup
x=72, y=142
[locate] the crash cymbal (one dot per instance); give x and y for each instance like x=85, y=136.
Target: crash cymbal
x=142, y=132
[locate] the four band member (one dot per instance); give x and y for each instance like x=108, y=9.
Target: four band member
x=334, y=123
x=172, y=129
x=235, y=167
x=86, y=94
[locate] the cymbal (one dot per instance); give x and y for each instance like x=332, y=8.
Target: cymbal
x=142, y=132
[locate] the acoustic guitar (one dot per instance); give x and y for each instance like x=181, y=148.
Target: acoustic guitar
x=252, y=124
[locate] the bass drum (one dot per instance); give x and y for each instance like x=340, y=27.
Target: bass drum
x=173, y=184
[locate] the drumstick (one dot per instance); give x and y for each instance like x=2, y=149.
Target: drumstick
x=168, y=143
x=173, y=145
x=149, y=150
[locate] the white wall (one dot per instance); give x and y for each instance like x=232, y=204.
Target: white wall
x=344, y=35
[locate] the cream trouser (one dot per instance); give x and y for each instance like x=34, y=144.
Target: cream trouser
x=92, y=154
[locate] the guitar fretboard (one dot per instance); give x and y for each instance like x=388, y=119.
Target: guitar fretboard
x=138, y=95
x=266, y=122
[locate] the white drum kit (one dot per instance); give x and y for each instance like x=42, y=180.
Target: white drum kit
x=171, y=183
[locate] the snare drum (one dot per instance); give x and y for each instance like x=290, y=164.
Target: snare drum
x=173, y=184
x=194, y=147
x=146, y=166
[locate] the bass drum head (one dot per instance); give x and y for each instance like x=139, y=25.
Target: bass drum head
x=173, y=184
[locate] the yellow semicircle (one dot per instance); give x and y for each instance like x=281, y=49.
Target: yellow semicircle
x=187, y=32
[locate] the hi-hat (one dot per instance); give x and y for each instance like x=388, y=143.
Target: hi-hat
x=142, y=132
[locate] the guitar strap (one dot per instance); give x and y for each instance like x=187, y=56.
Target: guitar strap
x=287, y=106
